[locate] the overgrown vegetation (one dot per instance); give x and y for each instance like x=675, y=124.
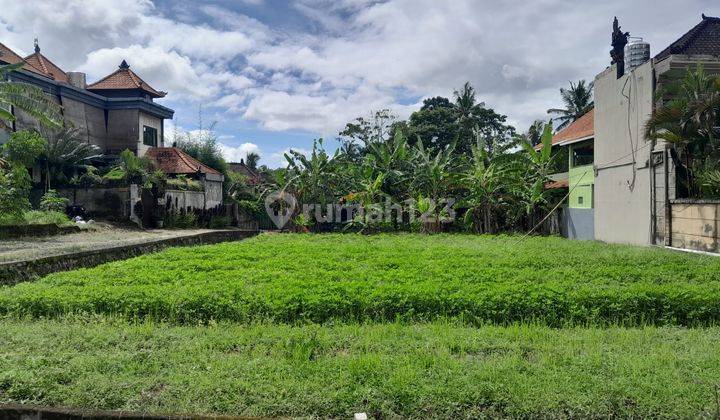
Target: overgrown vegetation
x=321, y=278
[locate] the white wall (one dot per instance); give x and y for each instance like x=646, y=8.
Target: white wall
x=149, y=121
x=622, y=198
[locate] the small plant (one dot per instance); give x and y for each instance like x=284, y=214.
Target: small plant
x=35, y=217
x=219, y=222
x=180, y=220
x=51, y=201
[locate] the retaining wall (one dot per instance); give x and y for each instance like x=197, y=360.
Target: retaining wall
x=694, y=224
x=20, y=271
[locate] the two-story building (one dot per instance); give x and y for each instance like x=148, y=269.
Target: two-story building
x=115, y=113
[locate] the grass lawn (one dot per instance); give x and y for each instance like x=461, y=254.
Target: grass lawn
x=387, y=370
x=351, y=278
x=440, y=326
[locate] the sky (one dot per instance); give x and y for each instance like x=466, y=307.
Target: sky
x=273, y=75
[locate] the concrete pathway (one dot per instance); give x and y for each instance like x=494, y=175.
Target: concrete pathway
x=101, y=237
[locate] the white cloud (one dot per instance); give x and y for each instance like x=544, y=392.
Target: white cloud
x=164, y=70
x=277, y=159
x=236, y=153
x=346, y=57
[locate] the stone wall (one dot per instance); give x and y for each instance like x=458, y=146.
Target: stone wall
x=694, y=224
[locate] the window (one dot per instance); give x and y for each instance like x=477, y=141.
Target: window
x=149, y=136
x=582, y=154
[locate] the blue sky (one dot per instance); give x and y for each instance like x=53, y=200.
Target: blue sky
x=273, y=74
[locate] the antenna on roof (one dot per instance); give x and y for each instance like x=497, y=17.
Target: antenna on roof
x=37, y=45
x=124, y=65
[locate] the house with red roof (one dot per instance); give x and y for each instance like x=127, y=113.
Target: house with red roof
x=115, y=113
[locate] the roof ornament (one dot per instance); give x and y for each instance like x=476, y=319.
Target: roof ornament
x=37, y=45
x=619, y=41
x=124, y=65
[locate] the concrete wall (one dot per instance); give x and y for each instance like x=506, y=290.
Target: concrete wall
x=88, y=119
x=581, y=182
x=113, y=203
x=122, y=130
x=186, y=199
x=622, y=186
x=578, y=223
x=213, y=193
x=150, y=121
x=695, y=225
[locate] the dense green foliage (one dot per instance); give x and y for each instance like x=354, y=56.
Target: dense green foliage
x=689, y=120
x=24, y=147
x=319, y=278
x=388, y=371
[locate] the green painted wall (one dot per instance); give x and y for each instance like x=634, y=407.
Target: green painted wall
x=581, y=197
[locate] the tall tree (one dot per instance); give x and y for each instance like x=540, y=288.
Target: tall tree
x=434, y=124
x=441, y=122
x=578, y=100
x=30, y=99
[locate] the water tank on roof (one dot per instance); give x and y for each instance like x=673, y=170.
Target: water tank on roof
x=637, y=52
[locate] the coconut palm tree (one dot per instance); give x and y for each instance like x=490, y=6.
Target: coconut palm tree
x=578, y=100
x=25, y=97
x=252, y=160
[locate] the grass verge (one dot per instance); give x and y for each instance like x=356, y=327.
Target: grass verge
x=436, y=370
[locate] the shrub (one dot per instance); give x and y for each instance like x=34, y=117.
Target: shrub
x=52, y=202
x=24, y=147
x=183, y=183
x=15, y=186
x=180, y=220
x=35, y=217
x=219, y=222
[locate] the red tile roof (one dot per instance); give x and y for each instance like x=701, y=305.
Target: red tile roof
x=172, y=160
x=703, y=39
x=252, y=175
x=124, y=78
x=48, y=68
x=563, y=183
x=10, y=57
x=582, y=128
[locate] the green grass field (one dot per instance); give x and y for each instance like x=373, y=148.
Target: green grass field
x=408, y=326
x=435, y=370
x=321, y=278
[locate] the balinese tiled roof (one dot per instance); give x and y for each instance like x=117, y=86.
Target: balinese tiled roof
x=124, y=78
x=703, y=39
x=10, y=57
x=48, y=68
x=581, y=128
x=172, y=160
x=242, y=168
